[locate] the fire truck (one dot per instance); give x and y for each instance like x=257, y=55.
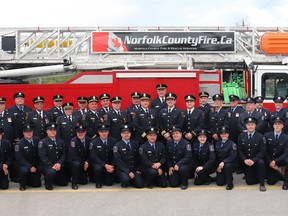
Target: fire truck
x=247, y=61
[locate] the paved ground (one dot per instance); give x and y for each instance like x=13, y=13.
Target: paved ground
x=197, y=200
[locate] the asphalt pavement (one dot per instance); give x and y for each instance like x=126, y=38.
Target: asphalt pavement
x=205, y=200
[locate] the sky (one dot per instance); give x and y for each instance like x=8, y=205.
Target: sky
x=121, y=13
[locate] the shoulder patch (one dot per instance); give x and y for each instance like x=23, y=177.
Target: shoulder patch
x=90, y=145
x=115, y=149
x=264, y=140
x=183, y=114
x=188, y=147
x=40, y=144
x=16, y=148
x=229, y=114
x=141, y=151
x=212, y=109
x=211, y=148
x=234, y=146
x=105, y=117
x=73, y=144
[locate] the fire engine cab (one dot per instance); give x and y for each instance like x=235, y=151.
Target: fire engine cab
x=247, y=61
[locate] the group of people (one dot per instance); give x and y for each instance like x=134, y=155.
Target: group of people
x=151, y=143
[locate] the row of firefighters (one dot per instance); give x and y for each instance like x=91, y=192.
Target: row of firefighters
x=174, y=144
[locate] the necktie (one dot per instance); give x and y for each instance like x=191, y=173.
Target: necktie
x=250, y=136
x=83, y=143
x=54, y=142
x=70, y=118
x=175, y=145
x=200, y=148
x=162, y=100
x=105, y=143
x=1, y=115
x=31, y=142
x=276, y=136
x=128, y=145
x=169, y=110
x=222, y=144
x=40, y=114
x=249, y=114
x=119, y=113
x=106, y=110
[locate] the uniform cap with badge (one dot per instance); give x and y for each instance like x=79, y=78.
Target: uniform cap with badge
x=57, y=98
x=250, y=100
x=80, y=128
x=223, y=130
x=217, y=97
x=92, y=99
x=278, y=99
x=3, y=100
x=233, y=98
x=19, y=94
x=278, y=120
x=175, y=128
x=116, y=99
x=67, y=106
x=27, y=127
x=145, y=96
x=38, y=99
x=259, y=99
x=51, y=126
x=190, y=97
x=151, y=131
x=82, y=99
x=135, y=95
x=202, y=132
x=104, y=96
x=250, y=119
x=170, y=95
x=203, y=94
x=125, y=128
x=103, y=127
x=161, y=86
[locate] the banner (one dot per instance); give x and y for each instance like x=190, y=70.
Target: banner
x=193, y=42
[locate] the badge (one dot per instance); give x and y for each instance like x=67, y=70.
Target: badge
x=183, y=114
x=90, y=146
x=16, y=148
x=9, y=119
x=140, y=151
x=211, y=148
x=264, y=140
x=229, y=114
x=73, y=144
x=234, y=146
x=149, y=152
x=64, y=123
x=99, y=147
x=188, y=147
x=115, y=149
x=237, y=115
x=105, y=117
x=40, y=144
x=84, y=117
x=46, y=120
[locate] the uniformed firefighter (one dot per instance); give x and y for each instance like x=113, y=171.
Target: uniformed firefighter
x=82, y=104
x=160, y=102
x=57, y=110
x=131, y=111
x=265, y=113
x=126, y=157
x=281, y=112
x=205, y=107
x=26, y=155
x=153, y=159
x=6, y=121
x=105, y=104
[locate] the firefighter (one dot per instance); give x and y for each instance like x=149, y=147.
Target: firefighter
x=193, y=120
x=234, y=114
x=178, y=159
x=265, y=113
x=117, y=118
x=101, y=151
x=169, y=116
x=203, y=157
x=251, y=150
x=82, y=104
x=126, y=157
x=78, y=158
x=153, y=159
x=250, y=111
x=144, y=119
x=218, y=117
x=276, y=155
x=281, y=112
x=105, y=104
x=6, y=159
x=39, y=118
x=52, y=155
x=205, y=107
x=20, y=114
x=226, y=159
x=160, y=102
x=92, y=119
x=57, y=110
x=6, y=121
x=26, y=154
x=131, y=111
x=67, y=124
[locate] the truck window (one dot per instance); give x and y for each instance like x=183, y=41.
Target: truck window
x=274, y=85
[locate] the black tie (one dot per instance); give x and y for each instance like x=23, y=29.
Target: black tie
x=250, y=136
x=83, y=143
x=128, y=145
x=105, y=143
x=222, y=144
x=169, y=110
x=200, y=148
x=31, y=142
x=54, y=142
x=175, y=145
x=1, y=115
x=276, y=137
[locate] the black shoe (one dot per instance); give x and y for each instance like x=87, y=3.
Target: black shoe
x=229, y=187
x=184, y=187
x=98, y=185
x=149, y=186
x=285, y=187
x=22, y=188
x=74, y=186
x=123, y=185
x=213, y=179
x=48, y=187
x=262, y=188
